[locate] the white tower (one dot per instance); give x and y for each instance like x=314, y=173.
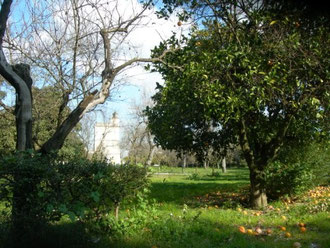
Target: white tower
x=106, y=139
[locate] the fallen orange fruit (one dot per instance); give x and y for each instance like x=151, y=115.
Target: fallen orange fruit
x=250, y=231
x=282, y=228
x=287, y=234
x=269, y=231
x=303, y=229
x=242, y=229
x=301, y=224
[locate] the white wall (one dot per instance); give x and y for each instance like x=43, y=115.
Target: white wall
x=106, y=139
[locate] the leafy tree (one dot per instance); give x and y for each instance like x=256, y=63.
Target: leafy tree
x=250, y=79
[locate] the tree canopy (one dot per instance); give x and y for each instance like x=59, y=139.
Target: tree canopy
x=249, y=78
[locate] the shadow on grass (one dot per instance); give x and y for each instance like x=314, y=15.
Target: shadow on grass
x=64, y=235
x=223, y=178
x=180, y=193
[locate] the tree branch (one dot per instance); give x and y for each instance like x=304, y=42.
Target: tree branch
x=4, y=14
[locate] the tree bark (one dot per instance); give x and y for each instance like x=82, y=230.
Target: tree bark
x=23, y=108
x=258, y=197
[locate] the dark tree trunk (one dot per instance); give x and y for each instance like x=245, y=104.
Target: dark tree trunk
x=258, y=197
x=23, y=109
x=23, y=217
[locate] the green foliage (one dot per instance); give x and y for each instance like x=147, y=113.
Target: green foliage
x=194, y=176
x=7, y=132
x=261, y=83
x=298, y=169
x=287, y=179
x=50, y=188
x=138, y=212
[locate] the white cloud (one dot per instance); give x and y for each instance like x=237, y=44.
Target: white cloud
x=144, y=38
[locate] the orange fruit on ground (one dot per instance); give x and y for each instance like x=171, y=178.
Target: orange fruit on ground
x=242, y=229
x=303, y=229
x=269, y=231
x=250, y=231
x=288, y=235
x=301, y=224
x=179, y=23
x=282, y=228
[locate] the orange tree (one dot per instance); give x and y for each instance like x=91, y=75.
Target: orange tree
x=257, y=81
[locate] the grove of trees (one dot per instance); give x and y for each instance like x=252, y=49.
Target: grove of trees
x=252, y=76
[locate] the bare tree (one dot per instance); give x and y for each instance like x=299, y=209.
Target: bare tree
x=66, y=43
x=138, y=138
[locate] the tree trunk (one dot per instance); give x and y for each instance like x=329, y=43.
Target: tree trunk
x=150, y=155
x=218, y=164
x=184, y=164
x=258, y=197
x=25, y=220
x=224, y=165
x=56, y=141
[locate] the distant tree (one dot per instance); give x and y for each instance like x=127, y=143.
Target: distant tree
x=138, y=140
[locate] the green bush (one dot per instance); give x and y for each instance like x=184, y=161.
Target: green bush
x=44, y=189
x=298, y=169
x=287, y=179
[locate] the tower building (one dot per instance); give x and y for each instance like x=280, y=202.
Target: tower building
x=106, y=139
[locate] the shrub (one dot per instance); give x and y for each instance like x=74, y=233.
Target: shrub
x=47, y=188
x=298, y=169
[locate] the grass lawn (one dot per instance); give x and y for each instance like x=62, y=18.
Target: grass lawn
x=207, y=211
x=199, y=210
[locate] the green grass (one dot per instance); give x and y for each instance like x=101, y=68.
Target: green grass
x=204, y=211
